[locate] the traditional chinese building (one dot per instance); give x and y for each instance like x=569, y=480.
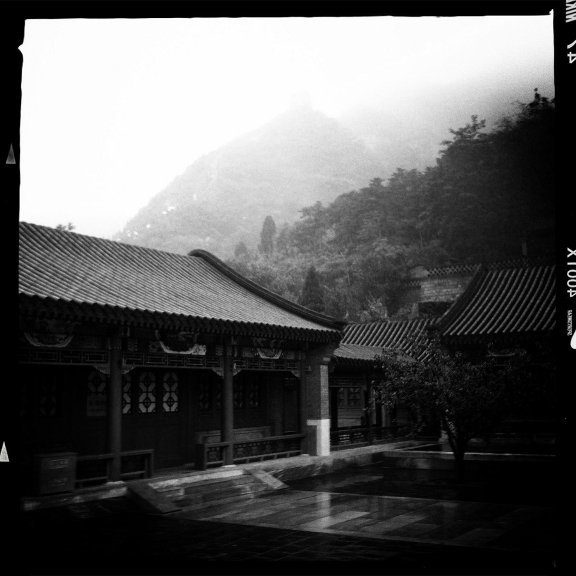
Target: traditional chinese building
x=430, y=292
x=133, y=359
x=501, y=309
x=504, y=310
x=355, y=416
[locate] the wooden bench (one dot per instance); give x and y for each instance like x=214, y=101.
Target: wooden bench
x=103, y=472
x=240, y=435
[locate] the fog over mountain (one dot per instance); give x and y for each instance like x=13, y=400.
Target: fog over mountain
x=167, y=110
x=408, y=130
x=298, y=158
x=301, y=157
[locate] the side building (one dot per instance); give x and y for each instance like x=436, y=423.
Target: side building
x=356, y=417
x=133, y=360
x=504, y=310
x=501, y=309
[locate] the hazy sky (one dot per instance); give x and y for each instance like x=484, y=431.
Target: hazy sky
x=114, y=110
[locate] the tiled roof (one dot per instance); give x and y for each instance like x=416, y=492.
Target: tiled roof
x=350, y=353
x=455, y=270
x=361, y=342
x=466, y=270
x=421, y=274
x=389, y=334
x=107, y=278
x=503, y=302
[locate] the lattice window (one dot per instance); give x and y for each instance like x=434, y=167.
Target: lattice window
x=126, y=394
x=253, y=395
x=132, y=345
x=170, y=392
x=218, y=398
x=354, y=398
x=49, y=405
x=210, y=396
x=91, y=342
x=97, y=396
x=341, y=397
x=147, y=393
x=205, y=397
x=239, y=395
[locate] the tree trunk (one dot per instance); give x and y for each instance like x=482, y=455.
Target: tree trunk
x=460, y=448
x=459, y=463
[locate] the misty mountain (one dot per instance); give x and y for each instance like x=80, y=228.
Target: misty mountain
x=408, y=128
x=298, y=158
x=488, y=197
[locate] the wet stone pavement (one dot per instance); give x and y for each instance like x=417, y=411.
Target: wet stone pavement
x=332, y=524
x=519, y=484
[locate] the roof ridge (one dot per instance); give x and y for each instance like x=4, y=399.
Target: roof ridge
x=519, y=262
x=499, y=300
x=444, y=270
x=150, y=280
x=108, y=241
x=462, y=300
x=265, y=293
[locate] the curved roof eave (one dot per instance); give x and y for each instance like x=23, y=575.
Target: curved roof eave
x=151, y=319
x=267, y=294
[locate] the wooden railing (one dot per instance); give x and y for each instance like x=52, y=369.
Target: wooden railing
x=268, y=448
x=272, y=447
x=354, y=436
x=94, y=469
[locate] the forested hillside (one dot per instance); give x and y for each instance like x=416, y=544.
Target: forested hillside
x=297, y=158
x=490, y=196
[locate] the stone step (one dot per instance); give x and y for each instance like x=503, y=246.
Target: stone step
x=196, y=483
x=207, y=487
x=167, y=484
x=221, y=491
x=214, y=506
x=170, y=495
x=217, y=483
x=233, y=493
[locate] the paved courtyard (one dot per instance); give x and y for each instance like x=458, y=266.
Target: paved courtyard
x=443, y=522
x=96, y=539
x=367, y=519
x=339, y=523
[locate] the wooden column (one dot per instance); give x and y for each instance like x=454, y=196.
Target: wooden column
x=115, y=405
x=318, y=405
x=334, y=408
x=368, y=388
x=228, y=404
x=302, y=407
x=275, y=393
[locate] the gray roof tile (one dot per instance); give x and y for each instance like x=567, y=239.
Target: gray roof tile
x=73, y=268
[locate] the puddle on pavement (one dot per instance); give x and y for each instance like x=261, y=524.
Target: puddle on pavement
x=494, y=448
x=521, y=484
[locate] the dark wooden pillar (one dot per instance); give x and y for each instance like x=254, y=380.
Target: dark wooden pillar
x=334, y=407
x=228, y=404
x=302, y=407
x=369, y=408
x=275, y=393
x=317, y=404
x=115, y=405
